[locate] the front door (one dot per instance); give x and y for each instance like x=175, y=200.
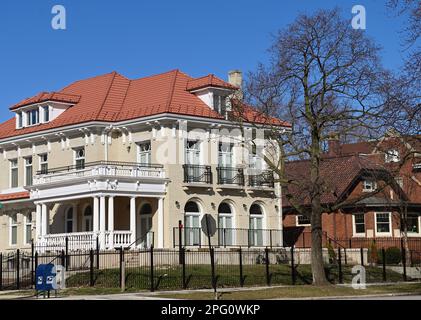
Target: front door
x=192, y=230
x=145, y=233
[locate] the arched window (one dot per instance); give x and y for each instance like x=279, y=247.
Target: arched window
x=68, y=226
x=256, y=225
x=192, y=223
x=87, y=219
x=225, y=225
x=146, y=209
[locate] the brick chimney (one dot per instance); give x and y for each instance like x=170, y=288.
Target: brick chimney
x=334, y=146
x=235, y=77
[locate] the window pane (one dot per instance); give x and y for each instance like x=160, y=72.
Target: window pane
x=14, y=234
x=413, y=223
x=28, y=233
x=14, y=178
x=29, y=175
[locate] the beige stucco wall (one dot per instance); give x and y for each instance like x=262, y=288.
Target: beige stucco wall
x=167, y=148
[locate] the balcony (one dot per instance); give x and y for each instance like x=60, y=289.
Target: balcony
x=264, y=180
x=228, y=237
x=82, y=180
x=197, y=174
x=229, y=176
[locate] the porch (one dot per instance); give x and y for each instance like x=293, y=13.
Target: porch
x=99, y=205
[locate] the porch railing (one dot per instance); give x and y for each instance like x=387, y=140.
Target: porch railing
x=100, y=168
x=197, y=173
x=230, y=175
x=228, y=237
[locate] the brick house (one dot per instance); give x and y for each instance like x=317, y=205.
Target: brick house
x=379, y=182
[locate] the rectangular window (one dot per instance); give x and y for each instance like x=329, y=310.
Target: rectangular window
x=303, y=220
x=359, y=223
x=13, y=230
x=383, y=223
x=369, y=186
x=80, y=158
x=19, y=120
x=144, y=156
x=28, y=171
x=225, y=155
x=46, y=110
x=43, y=163
x=28, y=228
x=193, y=152
x=413, y=223
x=33, y=117
x=14, y=173
x=392, y=156
x=219, y=104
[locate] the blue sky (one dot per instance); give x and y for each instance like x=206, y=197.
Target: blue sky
x=139, y=38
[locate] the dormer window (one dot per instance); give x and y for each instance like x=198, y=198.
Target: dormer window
x=46, y=113
x=369, y=186
x=19, y=120
x=33, y=117
x=392, y=156
x=219, y=103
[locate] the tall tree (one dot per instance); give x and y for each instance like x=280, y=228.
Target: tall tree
x=323, y=77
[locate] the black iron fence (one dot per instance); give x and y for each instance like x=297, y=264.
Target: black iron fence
x=227, y=237
x=265, y=179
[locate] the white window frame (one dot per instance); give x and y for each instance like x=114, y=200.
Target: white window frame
x=354, y=226
x=12, y=225
x=29, y=117
x=298, y=224
x=188, y=214
x=66, y=219
x=76, y=157
x=415, y=234
x=199, y=151
x=383, y=234
x=45, y=110
x=373, y=185
x=19, y=120
x=140, y=152
x=11, y=161
x=233, y=222
x=27, y=223
x=42, y=161
x=26, y=165
x=392, y=156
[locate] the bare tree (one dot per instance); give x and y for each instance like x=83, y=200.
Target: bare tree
x=323, y=76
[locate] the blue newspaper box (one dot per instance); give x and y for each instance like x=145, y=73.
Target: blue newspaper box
x=44, y=276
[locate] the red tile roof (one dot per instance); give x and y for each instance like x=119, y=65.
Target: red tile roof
x=48, y=96
x=112, y=97
x=14, y=196
x=209, y=81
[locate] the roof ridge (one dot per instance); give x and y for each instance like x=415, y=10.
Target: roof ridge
x=172, y=88
x=108, y=92
x=89, y=78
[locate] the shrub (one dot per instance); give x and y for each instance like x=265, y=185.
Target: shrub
x=332, y=253
x=393, y=256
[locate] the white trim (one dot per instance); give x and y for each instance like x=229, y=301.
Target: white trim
x=354, y=233
x=11, y=225
x=383, y=234
x=10, y=172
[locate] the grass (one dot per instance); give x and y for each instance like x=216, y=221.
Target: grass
x=299, y=292
x=199, y=276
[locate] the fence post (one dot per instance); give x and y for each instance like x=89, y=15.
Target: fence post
x=340, y=265
x=67, y=254
x=404, y=263
x=1, y=271
x=36, y=260
x=350, y=243
x=180, y=234
x=18, y=269
x=122, y=270
x=304, y=239
x=63, y=258
x=97, y=253
x=362, y=256
x=384, y=264
x=225, y=237
x=293, y=278
x=241, y=267
x=183, y=266
x=32, y=263
x=248, y=237
x=345, y=258
x=267, y=266
x=91, y=268
x=212, y=258
x=151, y=270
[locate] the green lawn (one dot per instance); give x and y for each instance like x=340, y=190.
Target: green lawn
x=199, y=276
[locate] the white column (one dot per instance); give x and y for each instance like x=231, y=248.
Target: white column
x=44, y=219
x=111, y=222
x=102, y=221
x=133, y=218
x=95, y=226
x=38, y=222
x=161, y=223
x=74, y=217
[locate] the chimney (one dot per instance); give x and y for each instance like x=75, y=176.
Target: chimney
x=235, y=77
x=334, y=146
